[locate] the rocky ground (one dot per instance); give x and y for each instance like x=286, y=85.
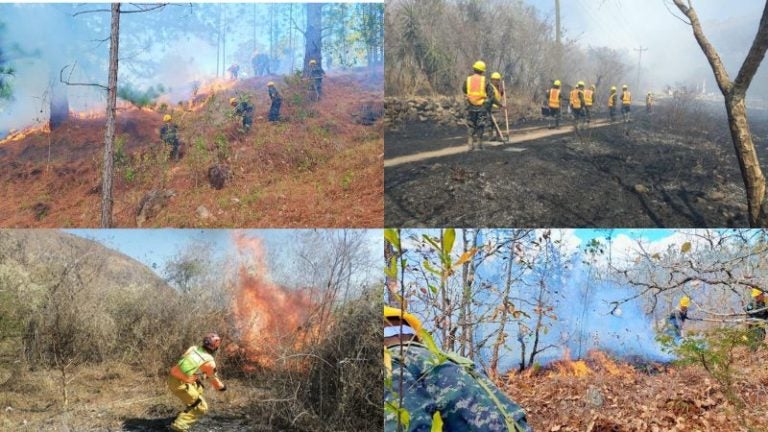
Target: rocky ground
x=647, y=176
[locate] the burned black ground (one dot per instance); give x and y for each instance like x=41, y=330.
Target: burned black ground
x=653, y=177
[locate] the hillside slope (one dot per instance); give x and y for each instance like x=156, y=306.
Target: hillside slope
x=318, y=167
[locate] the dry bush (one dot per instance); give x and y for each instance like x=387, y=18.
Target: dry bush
x=334, y=385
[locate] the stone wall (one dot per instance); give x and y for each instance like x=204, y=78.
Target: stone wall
x=444, y=110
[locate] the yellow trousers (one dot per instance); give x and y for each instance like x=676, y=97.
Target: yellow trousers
x=192, y=396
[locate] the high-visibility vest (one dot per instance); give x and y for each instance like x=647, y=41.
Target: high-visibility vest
x=191, y=361
x=554, y=98
x=476, y=90
x=588, y=97
x=575, y=100
x=626, y=97
x=612, y=100
x=496, y=94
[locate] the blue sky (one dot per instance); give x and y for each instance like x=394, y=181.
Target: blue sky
x=154, y=247
x=647, y=234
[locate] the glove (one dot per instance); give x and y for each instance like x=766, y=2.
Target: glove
x=223, y=389
x=199, y=383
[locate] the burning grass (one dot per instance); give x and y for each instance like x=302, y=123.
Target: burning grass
x=320, y=168
x=600, y=393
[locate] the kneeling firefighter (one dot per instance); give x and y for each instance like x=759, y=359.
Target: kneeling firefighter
x=186, y=381
x=440, y=391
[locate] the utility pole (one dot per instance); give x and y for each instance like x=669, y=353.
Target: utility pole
x=558, y=41
x=639, y=65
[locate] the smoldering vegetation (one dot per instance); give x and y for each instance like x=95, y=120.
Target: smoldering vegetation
x=81, y=320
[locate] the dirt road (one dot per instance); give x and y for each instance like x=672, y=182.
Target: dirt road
x=602, y=178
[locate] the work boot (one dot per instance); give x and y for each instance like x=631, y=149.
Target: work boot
x=470, y=142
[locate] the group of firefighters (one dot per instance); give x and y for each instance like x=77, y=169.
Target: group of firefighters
x=756, y=311
x=243, y=109
x=581, y=101
x=483, y=96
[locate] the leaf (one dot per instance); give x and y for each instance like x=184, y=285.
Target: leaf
x=656, y=256
x=391, y=235
x=465, y=257
x=428, y=267
x=431, y=241
x=391, y=270
x=432, y=288
x=686, y=247
x=449, y=237
x=437, y=422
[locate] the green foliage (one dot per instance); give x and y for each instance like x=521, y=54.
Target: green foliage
x=222, y=147
x=346, y=180
x=199, y=158
x=715, y=352
x=139, y=98
x=119, y=157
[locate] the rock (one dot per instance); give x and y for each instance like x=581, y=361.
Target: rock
x=715, y=195
x=151, y=204
x=642, y=189
x=218, y=175
x=202, y=212
x=436, y=167
x=594, y=397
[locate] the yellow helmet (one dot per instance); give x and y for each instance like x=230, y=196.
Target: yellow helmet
x=270, y=84
x=313, y=61
x=685, y=301
x=479, y=66
x=580, y=84
x=557, y=83
x=167, y=118
x=624, y=87
x=756, y=292
x=496, y=75
x=390, y=312
x=613, y=88
x=232, y=101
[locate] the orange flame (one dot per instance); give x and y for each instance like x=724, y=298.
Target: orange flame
x=567, y=367
x=270, y=319
x=17, y=135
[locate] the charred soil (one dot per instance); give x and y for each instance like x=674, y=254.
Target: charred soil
x=651, y=177
x=320, y=166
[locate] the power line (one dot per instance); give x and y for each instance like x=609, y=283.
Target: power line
x=639, y=65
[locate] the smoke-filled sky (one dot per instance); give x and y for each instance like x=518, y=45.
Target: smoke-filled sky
x=174, y=47
x=155, y=247
x=673, y=55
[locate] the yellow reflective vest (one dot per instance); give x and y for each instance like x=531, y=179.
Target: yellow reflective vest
x=575, y=99
x=554, y=98
x=626, y=97
x=588, y=97
x=476, y=90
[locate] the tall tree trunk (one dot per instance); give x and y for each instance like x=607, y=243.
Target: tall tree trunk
x=734, y=93
x=58, y=103
x=501, y=336
x=313, y=46
x=539, y=323
x=109, y=135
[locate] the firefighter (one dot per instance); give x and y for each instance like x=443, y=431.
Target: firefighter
x=577, y=104
x=260, y=63
x=648, y=102
x=480, y=98
x=612, y=99
x=453, y=389
x=498, y=93
x=243, y=109
x=316, y=73
x=626, y=103
x=277, y=101
x=676, y=320
x=589, y=96
x=186, y=380
x=234, y=70
x=757, y=310
x=168, y=134
x=553, y=102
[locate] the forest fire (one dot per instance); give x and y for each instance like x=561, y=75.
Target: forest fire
x=270, y=319
x=15, y=135
x=596, y=362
